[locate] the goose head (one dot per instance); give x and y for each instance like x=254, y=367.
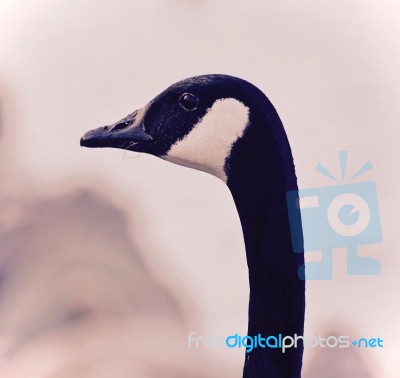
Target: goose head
x=195, y=123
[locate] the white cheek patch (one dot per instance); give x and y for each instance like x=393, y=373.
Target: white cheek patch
x=209, y=143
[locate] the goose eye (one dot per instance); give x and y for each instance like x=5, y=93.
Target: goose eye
x=188, y=101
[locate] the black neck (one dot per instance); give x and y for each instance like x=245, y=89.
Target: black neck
x=260, y=172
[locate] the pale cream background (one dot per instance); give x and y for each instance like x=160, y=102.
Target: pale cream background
x=332, y=71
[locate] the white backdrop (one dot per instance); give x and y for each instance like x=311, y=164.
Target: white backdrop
x=331, y=70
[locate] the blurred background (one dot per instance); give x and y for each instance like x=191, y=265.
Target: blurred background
x=107, y=259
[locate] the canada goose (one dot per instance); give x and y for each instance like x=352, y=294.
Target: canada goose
x=227, y=127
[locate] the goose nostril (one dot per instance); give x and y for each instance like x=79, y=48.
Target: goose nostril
x=121, y=126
